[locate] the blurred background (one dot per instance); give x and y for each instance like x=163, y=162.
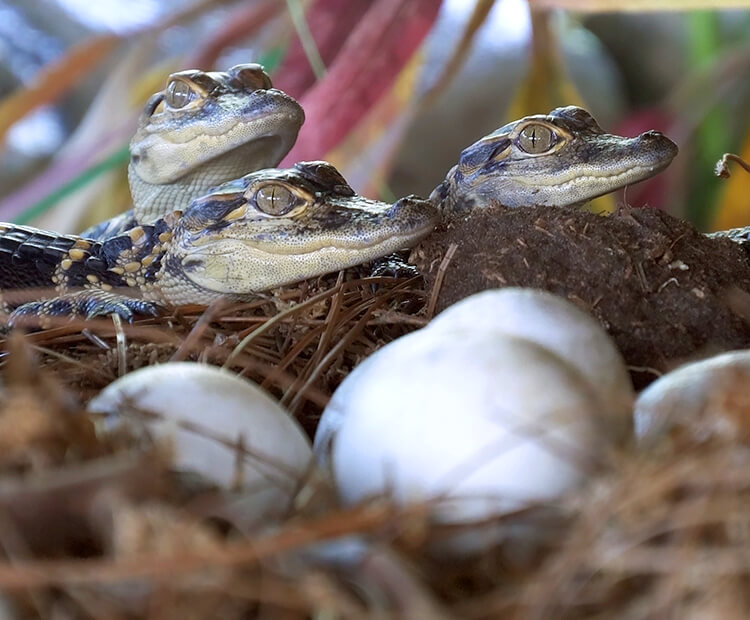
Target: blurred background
x=393, y=90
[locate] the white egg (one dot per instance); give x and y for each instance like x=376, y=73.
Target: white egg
x=206, y=412
x=558, y=325
x=484, y=422
x=700, y=400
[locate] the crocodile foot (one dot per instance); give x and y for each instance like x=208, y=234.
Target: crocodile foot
x=82, y=304
x=394, y=266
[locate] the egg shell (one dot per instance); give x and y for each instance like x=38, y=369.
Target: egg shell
x=223, y=408
x=698, y=401
x=485, y=422
x=556, y=324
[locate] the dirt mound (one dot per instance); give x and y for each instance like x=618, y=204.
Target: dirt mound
x=664, y=291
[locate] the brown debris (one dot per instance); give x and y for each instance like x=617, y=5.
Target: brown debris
x=298, y=343
x=664, y=292
x=97, y=527
x=41, y=425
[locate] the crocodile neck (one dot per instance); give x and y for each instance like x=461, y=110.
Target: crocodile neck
x=203, y=129
x=151, y=200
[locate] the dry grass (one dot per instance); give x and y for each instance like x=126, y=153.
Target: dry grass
x=97, y=527
x=298, y=343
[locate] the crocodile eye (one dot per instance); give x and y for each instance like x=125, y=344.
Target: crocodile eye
x=179, y=94
x=536, y=138
x=275, y=199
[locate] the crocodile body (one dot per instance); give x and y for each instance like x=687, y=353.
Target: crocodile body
x=739, y=235
x=203, y=129
x=559, y=159
x=267, y=229
x=274, y=227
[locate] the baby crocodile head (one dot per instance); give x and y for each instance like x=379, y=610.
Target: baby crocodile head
x=206, y=128
x=278, y=226
x=556, y=159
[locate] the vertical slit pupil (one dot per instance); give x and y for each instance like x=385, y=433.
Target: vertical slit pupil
x=179, y=94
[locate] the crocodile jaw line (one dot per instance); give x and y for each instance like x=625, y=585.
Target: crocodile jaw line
x=160, y=161
x=240, y=267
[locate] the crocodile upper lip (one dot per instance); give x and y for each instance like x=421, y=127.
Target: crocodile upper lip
x=634, y=174
x=313, y=243
x=343, y=243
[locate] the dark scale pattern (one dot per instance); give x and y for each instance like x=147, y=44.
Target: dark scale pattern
x=121, y=250
x=323, y=177
x=109, y=228
x=175, y=265
x=82, y=271
x=85, y=303
x=337, y=218
x=145, y=245
x=114, y=248
x=145, y=266
x=93, y=266
x=161, y=226
x=28, y=257
x=209, y=212
x=153, y=269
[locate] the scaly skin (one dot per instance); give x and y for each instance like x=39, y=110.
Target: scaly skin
x=739, y=235
x=267, y=229
x=203, y=129
x=580, y=163
x=226, y=246
x=558, y=159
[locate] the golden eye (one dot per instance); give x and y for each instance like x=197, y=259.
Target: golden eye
x=275, y=199
x=536, y=138
x=179, y=94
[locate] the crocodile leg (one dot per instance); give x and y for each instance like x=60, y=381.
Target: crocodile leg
x=89, y=303
x=76, y=276
x=267, y=229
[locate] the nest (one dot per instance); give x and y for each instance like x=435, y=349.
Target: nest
x=95, y=527
x=298, y=342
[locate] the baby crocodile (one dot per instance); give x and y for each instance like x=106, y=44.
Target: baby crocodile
x=557, y=159
x=267, y=229
x=275, y=227
x=203, y=129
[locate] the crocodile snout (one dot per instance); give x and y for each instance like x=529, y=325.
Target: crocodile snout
x=413, y=212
